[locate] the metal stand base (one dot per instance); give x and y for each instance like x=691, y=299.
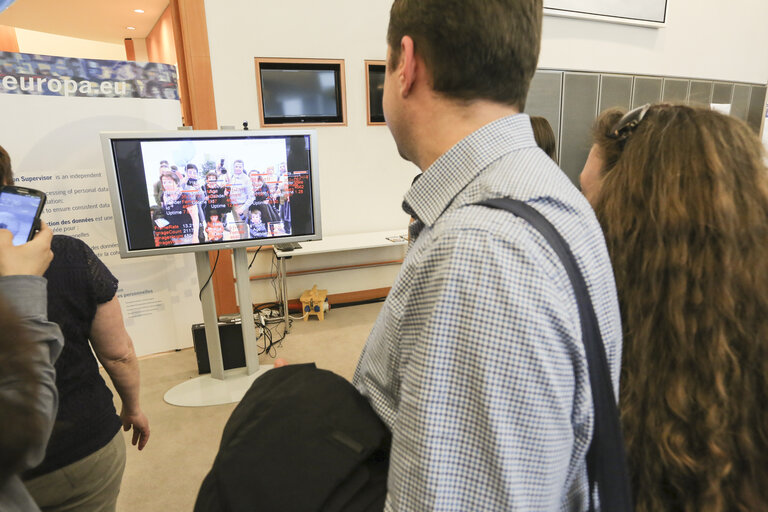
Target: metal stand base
x=222, y=387
x=205, y=390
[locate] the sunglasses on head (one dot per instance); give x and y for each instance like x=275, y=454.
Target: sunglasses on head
x=627, y=124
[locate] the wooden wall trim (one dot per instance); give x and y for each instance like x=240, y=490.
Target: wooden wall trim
x=195, y=57
x=181, y=65
x=162, y=41
x=355, y=266
x=190, y=32
x=358, y=296
x=294, y=305
x=130, y=50
x=8, y=40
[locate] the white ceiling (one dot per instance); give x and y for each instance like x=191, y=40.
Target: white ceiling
x=97, y=20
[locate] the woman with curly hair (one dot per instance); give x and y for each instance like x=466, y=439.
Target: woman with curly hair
x=682, y=195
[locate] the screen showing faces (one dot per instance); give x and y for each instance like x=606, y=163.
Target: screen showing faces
x=199, y=191
x=17, y=214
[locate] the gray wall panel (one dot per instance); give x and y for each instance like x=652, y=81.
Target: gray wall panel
x=756, y=105
x=675, y=91
x=615, y=91
x=647, y=90
x=544, y=97
x=740, y=103
x=722, y=93
x=701, y=93
x=580, y=95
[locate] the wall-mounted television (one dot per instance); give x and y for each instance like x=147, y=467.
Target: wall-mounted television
x=301, y=92
x=183, y=191
x=374, y=80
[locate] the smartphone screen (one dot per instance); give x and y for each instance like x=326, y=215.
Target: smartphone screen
x=18, y=213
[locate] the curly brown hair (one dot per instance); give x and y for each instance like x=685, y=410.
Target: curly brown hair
x=684, y=206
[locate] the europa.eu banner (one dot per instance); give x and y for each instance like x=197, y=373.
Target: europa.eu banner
x=26, y=73
x=56, y=107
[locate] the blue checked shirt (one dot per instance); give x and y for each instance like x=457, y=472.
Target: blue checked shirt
x=476, y=362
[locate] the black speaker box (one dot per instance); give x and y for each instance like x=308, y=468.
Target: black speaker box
x=232, y=350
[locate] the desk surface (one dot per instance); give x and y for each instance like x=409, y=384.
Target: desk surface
x=339, y=243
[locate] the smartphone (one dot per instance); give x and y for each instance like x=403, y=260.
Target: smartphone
x=20, y=210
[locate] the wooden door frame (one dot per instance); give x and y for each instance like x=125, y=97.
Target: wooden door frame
x=198, y=108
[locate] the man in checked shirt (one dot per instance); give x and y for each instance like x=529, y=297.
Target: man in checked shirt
x=476, y=361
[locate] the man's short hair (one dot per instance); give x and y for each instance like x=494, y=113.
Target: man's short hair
x=473, y=49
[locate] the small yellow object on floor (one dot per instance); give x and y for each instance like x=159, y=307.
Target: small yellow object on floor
x=313, y=303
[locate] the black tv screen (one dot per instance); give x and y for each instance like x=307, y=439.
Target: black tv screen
x=206, y=190
x=301, y=93
x=376, y=92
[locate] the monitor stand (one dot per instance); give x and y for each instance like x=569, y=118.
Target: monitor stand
x=220, y=386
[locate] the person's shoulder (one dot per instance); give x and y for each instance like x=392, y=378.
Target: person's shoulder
x=68, y=253
x=65, y=243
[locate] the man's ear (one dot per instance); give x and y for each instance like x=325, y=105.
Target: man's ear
x=407, y=67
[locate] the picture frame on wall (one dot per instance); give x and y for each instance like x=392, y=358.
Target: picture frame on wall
x=374, y=91
x=647, y=13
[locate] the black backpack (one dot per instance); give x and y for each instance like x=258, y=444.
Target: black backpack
x=302, y=439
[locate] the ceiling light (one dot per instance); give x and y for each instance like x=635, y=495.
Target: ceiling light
x=139, y=11
x=131, y=28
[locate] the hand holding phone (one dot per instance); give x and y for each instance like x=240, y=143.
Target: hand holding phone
x=20, y=210
x=31, y=258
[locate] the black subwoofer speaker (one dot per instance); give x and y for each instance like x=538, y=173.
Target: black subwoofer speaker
x=232, y=350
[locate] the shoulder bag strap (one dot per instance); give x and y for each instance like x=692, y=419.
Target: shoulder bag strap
x=606, y=458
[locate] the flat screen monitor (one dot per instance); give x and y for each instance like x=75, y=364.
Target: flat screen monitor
x=375, y=93
x=293, y=93
x=184, y=191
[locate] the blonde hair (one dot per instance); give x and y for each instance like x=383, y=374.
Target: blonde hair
x=684, y=207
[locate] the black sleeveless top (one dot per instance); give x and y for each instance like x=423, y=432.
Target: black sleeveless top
x=86, y=421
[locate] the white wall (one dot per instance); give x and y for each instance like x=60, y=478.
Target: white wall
x=709, y=39
x=140, y=48
x=42, y=43
x=362, y=177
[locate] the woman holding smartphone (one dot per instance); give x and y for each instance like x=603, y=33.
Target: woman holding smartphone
x=85, y=457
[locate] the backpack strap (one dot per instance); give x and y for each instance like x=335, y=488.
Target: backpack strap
x=606, y=458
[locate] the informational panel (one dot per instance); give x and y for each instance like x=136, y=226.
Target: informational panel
x=615, y=92
x=756, y=107
x=580, y=94
x=646, y=90
x=700, y=93
x=675, y=90
x=544, y=97
x=740, y=103
x=765, y=132
x=54, y=109
x=622, y=11
x=722, y=93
